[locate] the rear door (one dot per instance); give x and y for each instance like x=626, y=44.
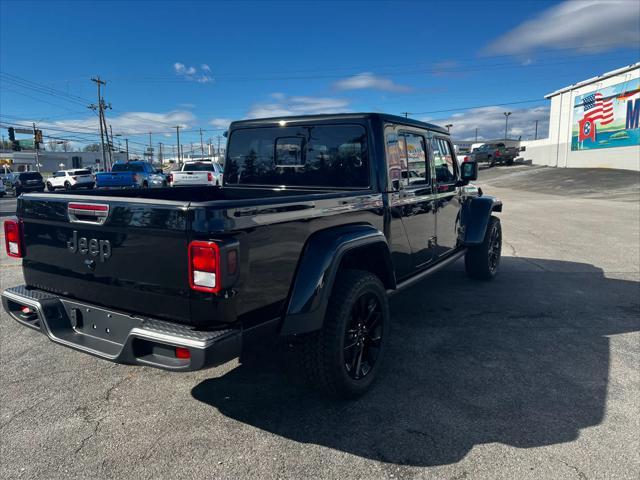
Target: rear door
x=413, y=197
x=124, y=253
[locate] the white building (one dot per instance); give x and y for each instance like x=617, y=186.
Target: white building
x=593, y=123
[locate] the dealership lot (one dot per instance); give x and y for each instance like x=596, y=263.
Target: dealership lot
x=532, y=375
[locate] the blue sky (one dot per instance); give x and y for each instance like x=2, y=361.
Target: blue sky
x=200, y=64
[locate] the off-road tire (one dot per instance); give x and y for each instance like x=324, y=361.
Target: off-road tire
x=49, y=187
x=67, y=186
x=145, y=184
x=322, y=353
x=478, y=260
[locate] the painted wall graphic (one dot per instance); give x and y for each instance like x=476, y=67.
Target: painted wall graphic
x=607, y=118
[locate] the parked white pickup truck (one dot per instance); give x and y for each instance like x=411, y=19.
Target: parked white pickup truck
x=197, y=173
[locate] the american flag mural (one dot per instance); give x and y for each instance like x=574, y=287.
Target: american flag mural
x=597, y=107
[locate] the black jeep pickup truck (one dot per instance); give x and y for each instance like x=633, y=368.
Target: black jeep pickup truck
x=318, y=220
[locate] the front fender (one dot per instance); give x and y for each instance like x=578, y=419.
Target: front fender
x=474, y=218
x=317, y=270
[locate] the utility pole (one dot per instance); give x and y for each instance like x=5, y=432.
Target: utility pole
x=406, y=114
x=35, y=144
x=210, y=147
x=126, y=141
x=218, y=147
x=150, y=149
x=506, y=124
x=178, y=138
x=160, y=152
x=112, y=143
x=476, y=134
x=201, y=146
x=100, y=108
x=536, y=137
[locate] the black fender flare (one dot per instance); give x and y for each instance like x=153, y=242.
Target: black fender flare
x=317, y=269
x=474, y=218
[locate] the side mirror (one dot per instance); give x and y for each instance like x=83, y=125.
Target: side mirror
x=469, y=171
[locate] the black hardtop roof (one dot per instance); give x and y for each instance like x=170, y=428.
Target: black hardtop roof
x=263, y=122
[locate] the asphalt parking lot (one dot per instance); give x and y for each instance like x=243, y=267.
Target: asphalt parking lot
x=534, y=375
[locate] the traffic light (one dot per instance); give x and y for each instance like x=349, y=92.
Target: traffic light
x=15, y=145
x=38, y=136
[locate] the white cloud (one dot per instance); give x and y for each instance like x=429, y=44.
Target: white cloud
x=591, y=25
x=192, y=74
x=128, y=123
x=283, y=105
x=368, y=80
x=220, y=122
x=490, y=122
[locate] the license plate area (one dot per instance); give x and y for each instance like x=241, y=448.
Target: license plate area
x=100, y=323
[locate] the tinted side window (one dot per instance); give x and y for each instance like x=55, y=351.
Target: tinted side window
x=414, y=155
x=317, y=156
x=443, y=161
x=396, y=164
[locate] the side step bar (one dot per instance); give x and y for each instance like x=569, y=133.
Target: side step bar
x=427, y=272
x=120, y=337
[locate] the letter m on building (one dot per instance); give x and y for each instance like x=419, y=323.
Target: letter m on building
x=633, y=113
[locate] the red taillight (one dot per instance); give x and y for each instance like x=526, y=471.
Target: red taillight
x=170, y=178
x=466, y=159
x=13, y=238
x=209, y=177
x=497, y=153
x=204, y=266
x=183, y=353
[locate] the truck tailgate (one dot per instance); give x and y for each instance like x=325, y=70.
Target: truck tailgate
x=114, y=179
x=191, y=178
x=125, y=253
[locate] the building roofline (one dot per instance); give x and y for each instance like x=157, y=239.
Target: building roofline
x=604, y=76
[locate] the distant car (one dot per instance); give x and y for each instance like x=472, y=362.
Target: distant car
x=3, y=189
x=131, y=174
x=197, y=173
x=69, y=179
x=21, y=182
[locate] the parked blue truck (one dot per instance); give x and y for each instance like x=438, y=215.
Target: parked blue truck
x=131, y=174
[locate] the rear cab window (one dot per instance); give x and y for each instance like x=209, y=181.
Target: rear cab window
x=334, y=156
x=30, y=176
x=198, y=167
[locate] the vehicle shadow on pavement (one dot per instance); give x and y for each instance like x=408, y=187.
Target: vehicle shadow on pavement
x=523, y=361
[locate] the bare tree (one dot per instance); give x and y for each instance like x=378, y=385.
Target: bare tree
x=92, y=147
x=52, y=145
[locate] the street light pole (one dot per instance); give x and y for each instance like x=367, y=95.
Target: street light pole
x=178, y=138
x=449, y=127
x=536, y=137
x=506, y=124
x=126, y=141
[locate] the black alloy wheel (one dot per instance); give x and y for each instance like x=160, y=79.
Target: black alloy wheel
x=495, y=248
x=363, y=337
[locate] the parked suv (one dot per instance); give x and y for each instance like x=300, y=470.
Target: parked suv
x=26, y=182
x=69, y=179
x=320, y=218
